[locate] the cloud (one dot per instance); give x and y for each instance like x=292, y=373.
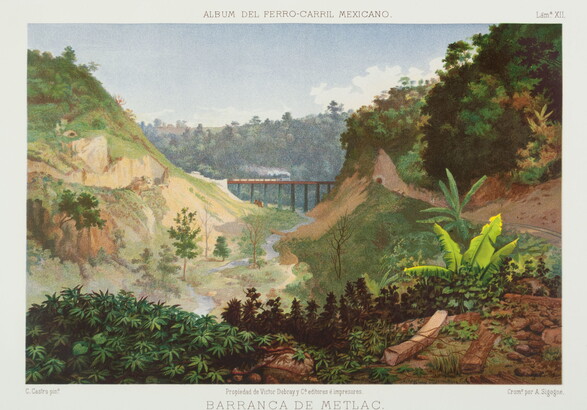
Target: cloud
x=363, y=88
x=217, y=117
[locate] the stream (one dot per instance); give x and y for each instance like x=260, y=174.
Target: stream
x=206, y=303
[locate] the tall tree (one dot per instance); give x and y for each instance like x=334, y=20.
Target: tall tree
x=478, y=113
x=255, y=230
x=338, y=236
x=82, y=209
x=205, y=220
x=167, y=263
x=185, y=236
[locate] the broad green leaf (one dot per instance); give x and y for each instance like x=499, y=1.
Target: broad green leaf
x=428, y=271
x=451, y=201
x=452, y=253
x=80, y=348
x=435, y=219
x=481, y=248
x=453, y=190
x=371, y=284
x=472, y=191
x=498, y=257
x=99, y=338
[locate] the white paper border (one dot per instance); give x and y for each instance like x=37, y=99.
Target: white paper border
x=15, y=17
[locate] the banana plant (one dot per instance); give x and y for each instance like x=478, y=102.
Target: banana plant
x=452, y=214
x=481, y=260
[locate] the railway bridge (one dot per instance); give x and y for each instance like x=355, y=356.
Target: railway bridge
x=264, y=183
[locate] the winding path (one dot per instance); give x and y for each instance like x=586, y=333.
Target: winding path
x=206, y=303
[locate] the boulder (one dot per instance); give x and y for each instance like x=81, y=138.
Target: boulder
x=527, y=372
x=537, y=327
x=524, y=349
x=513, y=356
x=523, y=335
x=254, y=378
x=553, y=336
x=519, y=323
x=284, y=368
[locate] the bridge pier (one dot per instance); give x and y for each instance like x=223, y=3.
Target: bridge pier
x=252, y=192
x=238, y=190
x=327, y=189
x=293, y=197
x=279, y=196
x=305, y=197
x=264, y=194
x=317, y=194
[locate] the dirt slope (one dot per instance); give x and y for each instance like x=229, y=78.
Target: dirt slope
x=350, y=194
x=538, y=206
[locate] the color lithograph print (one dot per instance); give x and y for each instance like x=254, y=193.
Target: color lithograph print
x=294, y=204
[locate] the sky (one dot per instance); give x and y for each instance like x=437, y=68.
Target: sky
x=218, y=73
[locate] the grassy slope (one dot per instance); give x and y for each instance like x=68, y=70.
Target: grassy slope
x=383, y=226
x=88, y=110
x=63, y=97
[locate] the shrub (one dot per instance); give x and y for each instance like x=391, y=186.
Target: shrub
x=77, y=337
x=472, y=278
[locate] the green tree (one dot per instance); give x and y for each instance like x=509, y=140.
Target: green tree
x=338, y=236
x=82, y=208
x=69, y=54
x=167, y=264
x=221, y=249
x=145, y=262
x=254, y=233
x=477, y=113
x=185, y=236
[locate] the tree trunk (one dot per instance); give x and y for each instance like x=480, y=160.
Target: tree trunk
x=254, y=254
x=185, y=262
x=474, y=360
x=425, y=337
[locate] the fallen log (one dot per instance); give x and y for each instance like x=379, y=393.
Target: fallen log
x=425, y=337
x=470, y=317
x=474, y=359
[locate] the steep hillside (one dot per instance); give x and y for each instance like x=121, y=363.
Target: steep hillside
x=81, y=139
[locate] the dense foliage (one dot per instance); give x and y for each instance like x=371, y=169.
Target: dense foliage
x=384, y=237
x=471, y=277
x=392, y=123
x=305, y=148
x=480, y=112
x=82, y=209
x=59, y=91
x=77, y=337
x=495, y=108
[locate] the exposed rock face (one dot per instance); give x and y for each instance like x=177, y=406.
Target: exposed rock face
x=121, y=173
x=97, y=169
x=385, y=173
x=93, y=152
